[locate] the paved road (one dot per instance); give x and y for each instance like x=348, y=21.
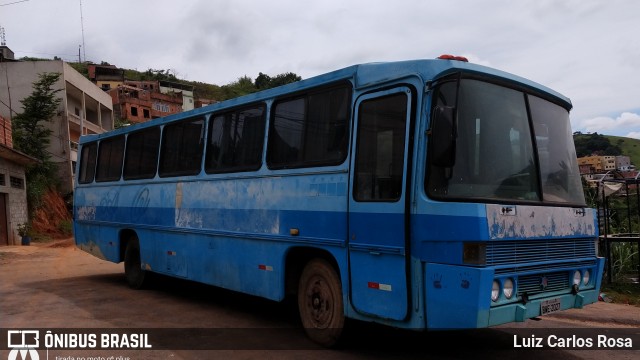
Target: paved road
x=59, y=286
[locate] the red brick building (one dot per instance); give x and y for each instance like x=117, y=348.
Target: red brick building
x=6, y=138
x=140, y=101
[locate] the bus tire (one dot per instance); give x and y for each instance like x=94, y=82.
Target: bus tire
x=133, y=266
x=320, y=303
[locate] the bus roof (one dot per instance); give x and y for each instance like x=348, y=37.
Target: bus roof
x=362, y=76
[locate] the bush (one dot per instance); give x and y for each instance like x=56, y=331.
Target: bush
x=24, y=229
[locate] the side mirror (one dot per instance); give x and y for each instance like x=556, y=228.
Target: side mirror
x=443, y=137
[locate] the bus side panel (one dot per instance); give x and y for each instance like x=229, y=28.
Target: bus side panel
x=457, y=297
x=97, y=239
x=376, y=290
x=232, y=233
x=250, y=266
x=90, y=238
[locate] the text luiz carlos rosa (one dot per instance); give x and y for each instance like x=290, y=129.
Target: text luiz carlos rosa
x=554, y=341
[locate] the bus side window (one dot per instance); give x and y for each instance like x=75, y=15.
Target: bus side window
x=235, y=141
x=380, y=148
x=181, y=149
x=88, y=163
x=110, y=155
x=310, y=130
x=141, y=158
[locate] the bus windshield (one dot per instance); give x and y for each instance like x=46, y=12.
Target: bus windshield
x=497, y=158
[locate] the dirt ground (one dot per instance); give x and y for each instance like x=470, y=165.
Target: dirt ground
x=56, y=285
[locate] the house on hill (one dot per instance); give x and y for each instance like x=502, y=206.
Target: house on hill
x=140, y=101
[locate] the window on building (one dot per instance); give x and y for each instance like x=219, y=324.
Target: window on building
x=161, y=107
x=16, y=182
x=134, y=111
x=3, y=181
x=145, y=113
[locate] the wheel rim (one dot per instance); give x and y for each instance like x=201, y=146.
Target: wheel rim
x=320, y=303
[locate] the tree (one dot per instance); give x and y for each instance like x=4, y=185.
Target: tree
x=32, y=138
x=243, y=86
x=284, y=79
x=159, y=75
x=264, y=81
x=590, y=144
x=119, y=123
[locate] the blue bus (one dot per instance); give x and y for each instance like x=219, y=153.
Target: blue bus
x=419, y=194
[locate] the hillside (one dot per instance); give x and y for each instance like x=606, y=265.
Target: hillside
x=630, y=147
x=243, y=86
x=586, y=144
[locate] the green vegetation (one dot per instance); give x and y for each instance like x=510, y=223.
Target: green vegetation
x=243, y=86
x=623, y=218
x=630, y=147
x=82, y=68
x=594, y=144
x=590, y=144
x=66, y=227
x=32, y=138
x=622, y=293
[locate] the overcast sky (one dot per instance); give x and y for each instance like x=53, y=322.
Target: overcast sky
x=589, y=50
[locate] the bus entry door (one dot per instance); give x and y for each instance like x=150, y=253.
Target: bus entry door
x=377, y=219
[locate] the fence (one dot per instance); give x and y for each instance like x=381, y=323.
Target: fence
x=618, y=202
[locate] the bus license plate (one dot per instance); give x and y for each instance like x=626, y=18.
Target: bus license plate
x=549, y=306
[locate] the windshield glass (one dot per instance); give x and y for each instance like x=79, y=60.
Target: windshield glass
x=496, y=156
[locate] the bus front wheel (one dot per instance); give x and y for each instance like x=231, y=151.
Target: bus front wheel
x=320, y=302
x=133, y=266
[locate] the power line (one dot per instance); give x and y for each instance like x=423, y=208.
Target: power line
x=15, y=2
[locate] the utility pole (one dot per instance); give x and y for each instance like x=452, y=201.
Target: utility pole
x=84, y=48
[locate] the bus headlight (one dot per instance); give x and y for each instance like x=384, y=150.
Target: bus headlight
x=495, y=291
x=586, y=277
x=577, y=277
x=507, y=288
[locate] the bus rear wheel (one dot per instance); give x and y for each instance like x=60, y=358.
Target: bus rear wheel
x=133, y=266
x=320, y=303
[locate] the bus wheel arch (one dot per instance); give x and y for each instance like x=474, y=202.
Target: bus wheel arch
x=320, y=301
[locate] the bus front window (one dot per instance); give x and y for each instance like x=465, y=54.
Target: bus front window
x=496, y=157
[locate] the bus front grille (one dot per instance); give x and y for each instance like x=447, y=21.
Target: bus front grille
x=522, y=252
x=534, y=284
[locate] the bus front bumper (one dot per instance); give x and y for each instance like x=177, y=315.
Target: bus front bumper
x=459, y=297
